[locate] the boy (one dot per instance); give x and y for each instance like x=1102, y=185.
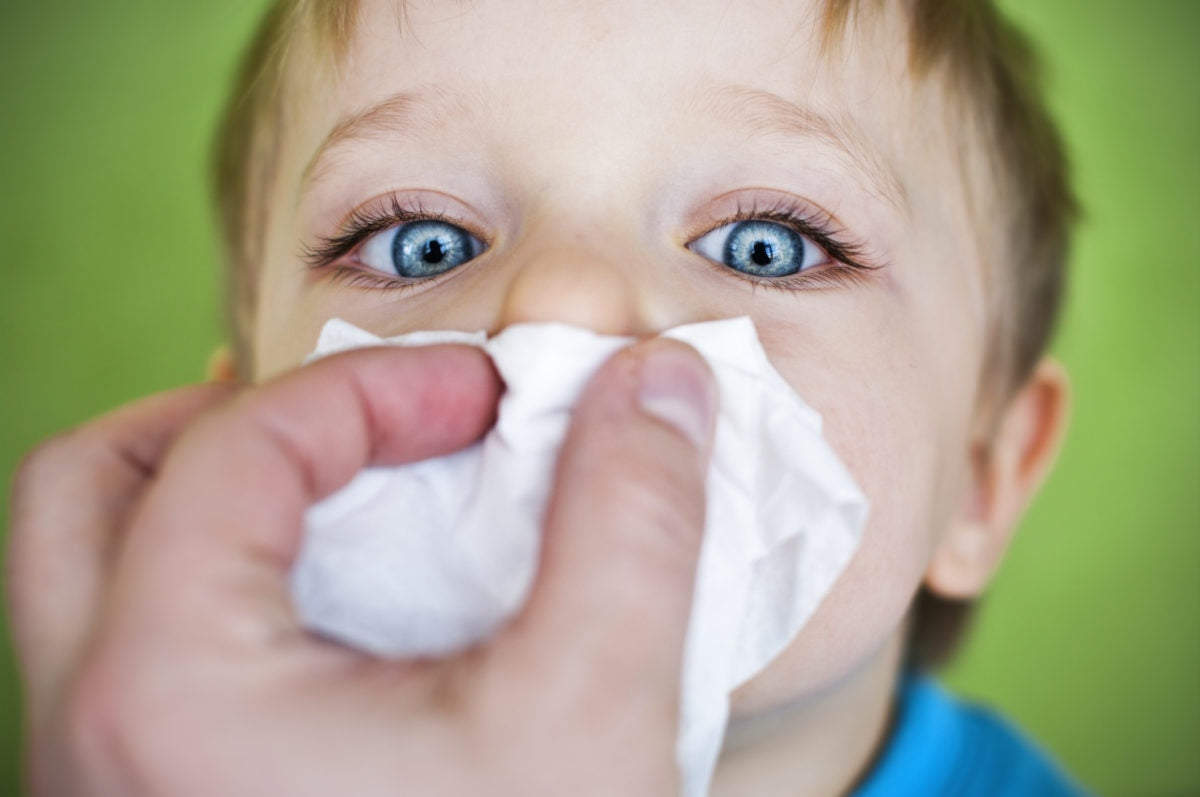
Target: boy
x=871, y=183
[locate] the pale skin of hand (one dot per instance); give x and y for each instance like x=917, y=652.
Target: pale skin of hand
x=148, y=562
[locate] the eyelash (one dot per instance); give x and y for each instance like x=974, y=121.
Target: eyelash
x=850, y=260
x=360, y=226
x=848, y=256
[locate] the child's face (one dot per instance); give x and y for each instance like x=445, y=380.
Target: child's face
x=583, y=147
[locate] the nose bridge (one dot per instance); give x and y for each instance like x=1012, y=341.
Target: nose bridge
x=576, y=282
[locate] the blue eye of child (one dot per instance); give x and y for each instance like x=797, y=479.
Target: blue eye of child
x=420, y=249
x=759, y=248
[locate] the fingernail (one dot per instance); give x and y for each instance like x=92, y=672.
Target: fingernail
x=675, y=386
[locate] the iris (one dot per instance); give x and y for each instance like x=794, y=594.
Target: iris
x=427, y=248
x=764, y=249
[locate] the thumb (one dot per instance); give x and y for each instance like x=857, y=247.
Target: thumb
x=623, y=529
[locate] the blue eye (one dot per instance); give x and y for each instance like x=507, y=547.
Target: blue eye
x=420, y=249
x=760, y=248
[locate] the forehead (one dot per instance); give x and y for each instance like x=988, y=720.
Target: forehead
x=523, y=35
x=619, y=72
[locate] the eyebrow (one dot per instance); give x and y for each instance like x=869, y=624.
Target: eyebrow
x=765, y=113
x=761, y=113
x=407, y=112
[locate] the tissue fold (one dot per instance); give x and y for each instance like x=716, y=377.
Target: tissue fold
x=426, y=559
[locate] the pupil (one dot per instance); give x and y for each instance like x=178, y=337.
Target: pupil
x=762, y=253
x=433, y=252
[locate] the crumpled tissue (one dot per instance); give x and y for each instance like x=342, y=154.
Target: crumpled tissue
x=426, y=559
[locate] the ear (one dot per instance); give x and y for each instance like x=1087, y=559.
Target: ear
x=1008, y=470
x=221, y=367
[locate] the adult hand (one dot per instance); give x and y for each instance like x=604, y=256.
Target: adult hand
x=148, y=567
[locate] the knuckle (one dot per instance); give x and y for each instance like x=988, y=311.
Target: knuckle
x=653, y=507
x=662, y=499
x=45, y=481
x=46, y=462
x=667, y=508
x=35, y=490
x=58, y=465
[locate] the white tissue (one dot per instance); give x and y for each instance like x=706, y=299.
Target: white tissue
x=426, y=559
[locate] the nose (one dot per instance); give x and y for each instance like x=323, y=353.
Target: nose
x=575, y=285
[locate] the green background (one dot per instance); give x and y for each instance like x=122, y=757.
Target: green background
x=1091, y=637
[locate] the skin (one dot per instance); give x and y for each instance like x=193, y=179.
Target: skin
x=588, y=144
x=168, y=662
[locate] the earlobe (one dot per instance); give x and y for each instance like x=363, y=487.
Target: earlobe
x=1009, y=469
x=221, y=367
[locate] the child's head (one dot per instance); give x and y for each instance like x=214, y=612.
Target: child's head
x=875, y=184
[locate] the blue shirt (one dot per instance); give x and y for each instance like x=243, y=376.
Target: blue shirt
x=942, y=747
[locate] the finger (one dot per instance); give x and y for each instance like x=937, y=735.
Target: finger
x=624, y=527
x=70, y=496
x=211, y=547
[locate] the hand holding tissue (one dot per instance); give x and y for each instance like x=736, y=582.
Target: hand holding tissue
x=429, y=558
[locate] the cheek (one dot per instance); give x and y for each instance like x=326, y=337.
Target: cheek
x=901, y=428
x=286, y=326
